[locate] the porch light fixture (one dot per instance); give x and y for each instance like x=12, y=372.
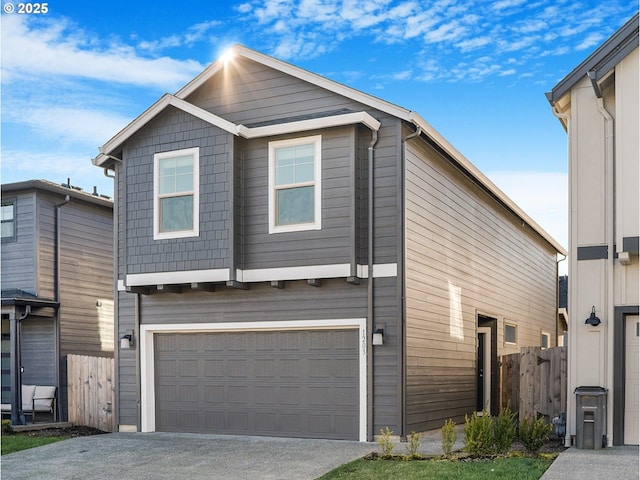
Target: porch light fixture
x=378, y=337
x=592, y=320
x=126, y=341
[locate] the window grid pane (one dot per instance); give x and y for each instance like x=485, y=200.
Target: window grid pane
x=176, y=213
x=295, y=205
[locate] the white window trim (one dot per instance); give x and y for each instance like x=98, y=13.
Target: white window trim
x=510, y=324
x=299, y=227
x=195, y=231
x=548, y=335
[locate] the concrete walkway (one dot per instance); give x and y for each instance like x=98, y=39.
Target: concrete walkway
x=617, y=463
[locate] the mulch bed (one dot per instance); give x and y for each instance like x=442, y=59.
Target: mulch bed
x=74, y=431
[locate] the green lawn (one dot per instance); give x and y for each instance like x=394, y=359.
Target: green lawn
x=11, y=443
x=522, y=468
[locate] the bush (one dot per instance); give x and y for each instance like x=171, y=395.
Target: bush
x=413, y=445
x=505, y=430
x=449, y=436
x=533, y=433
x=7, y=427
x=386, y=444
x=479, y=434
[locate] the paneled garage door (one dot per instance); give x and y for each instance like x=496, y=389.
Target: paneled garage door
x=276, y=383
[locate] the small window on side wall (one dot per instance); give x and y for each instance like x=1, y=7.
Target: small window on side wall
x=510, y=333
x=295, y=190
x=8, y=224
x=545, y=340
x=176, y=194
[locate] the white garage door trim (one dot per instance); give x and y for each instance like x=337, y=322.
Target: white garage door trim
x=147, y=355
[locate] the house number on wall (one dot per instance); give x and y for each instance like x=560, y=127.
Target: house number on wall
x=364, y=343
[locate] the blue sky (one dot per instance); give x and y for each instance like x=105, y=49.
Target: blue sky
x=476, y=70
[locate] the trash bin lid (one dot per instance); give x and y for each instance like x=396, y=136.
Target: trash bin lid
x=590, y=390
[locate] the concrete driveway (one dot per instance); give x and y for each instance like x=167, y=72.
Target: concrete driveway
x=156, y=456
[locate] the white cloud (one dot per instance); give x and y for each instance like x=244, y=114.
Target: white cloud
x=57, y=48
x=590, y=40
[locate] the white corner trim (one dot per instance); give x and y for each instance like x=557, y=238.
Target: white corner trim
x=120, y=286
x=171, y=278
x=147, y=356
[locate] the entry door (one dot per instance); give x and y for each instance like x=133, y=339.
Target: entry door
x=632, y=383
x=484, y=369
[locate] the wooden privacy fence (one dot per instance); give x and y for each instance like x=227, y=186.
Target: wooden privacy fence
x=90, y=391
x=534, y=382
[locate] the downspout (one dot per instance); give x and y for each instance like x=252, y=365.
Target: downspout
x=403, y=275
x=571, y=427
x=138, y=342
x=370, y=151
x=610, y=232
x=17, y=416
x=57, y=278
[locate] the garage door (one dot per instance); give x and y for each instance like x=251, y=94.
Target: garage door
x=276, y=383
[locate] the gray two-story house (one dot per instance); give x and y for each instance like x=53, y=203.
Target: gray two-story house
x=298, y=258
x=57, y=285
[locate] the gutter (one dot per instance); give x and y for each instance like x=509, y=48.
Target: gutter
x=370, y=152
x=56, y=289
x=610, y=232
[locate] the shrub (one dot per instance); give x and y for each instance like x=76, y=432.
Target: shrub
x=6, y=427
x=533, y=433
x=413, y=444
x=505, y=430
x=478, y=434
x=386, y=444
x=449, y=436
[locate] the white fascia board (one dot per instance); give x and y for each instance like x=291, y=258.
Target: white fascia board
x=380, y=270
x=483, y=180
x=175, y=278
x=311, y=124
x=151, y=113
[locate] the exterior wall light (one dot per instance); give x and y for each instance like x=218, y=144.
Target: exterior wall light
x=378, y=337
x=126, y=341
x=592, y=320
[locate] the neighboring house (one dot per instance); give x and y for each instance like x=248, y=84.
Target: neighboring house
x=597, y=104
x=57, y=284
x=563, y=311
x=302, y=259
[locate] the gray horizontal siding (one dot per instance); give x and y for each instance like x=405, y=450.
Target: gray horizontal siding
x=38, y=351
x=461, y=245
x=18, y=266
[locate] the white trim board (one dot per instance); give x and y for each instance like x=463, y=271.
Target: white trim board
x=338, y=270
x=147, y=356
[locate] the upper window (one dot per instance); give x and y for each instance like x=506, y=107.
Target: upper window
x=295, y=184
x=8, y=223
x=175, y=188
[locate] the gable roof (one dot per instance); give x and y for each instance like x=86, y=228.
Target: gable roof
x=600, y=62
x=105, y=158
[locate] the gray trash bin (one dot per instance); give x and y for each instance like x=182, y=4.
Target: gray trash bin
x=591, y=417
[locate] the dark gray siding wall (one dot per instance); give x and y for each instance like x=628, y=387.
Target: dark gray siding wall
x=332, y=244
x=127, y=400
x=175, y=130
x=250, y=93
x=86, y=277
x=336, y=299
x=38, y=351
x=18, y=266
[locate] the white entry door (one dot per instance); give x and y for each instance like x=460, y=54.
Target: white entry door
x=632, y=381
